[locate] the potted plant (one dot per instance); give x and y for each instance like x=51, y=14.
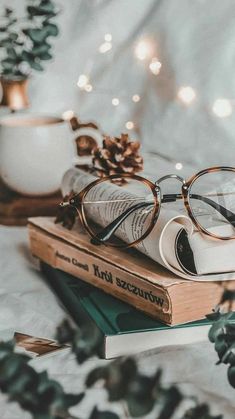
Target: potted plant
x=24, y=46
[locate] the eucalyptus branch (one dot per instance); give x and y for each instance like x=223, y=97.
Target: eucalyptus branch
x=45, y=399
x=25, y=46
x=138, y=394
x=222, y=334
x=35, y=392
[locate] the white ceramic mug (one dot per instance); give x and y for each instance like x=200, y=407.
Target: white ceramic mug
x=35, y=152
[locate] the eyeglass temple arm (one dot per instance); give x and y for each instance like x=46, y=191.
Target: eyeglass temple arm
x=110, y=229
x=227, y=214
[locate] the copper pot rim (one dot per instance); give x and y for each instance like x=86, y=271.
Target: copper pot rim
x=13, y=79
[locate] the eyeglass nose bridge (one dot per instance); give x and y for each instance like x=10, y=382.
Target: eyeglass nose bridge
x=170, y=176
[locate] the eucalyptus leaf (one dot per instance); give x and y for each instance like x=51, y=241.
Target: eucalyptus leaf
x=27, y=56
x=8, y=12
x=19, y=384
x=172, y=399
x=36, y=35
x=40, y=11
x=97, y=414
x=11, y=53
x=229, y=356
x=221, y=346
x=45, y=56
x=201, y=411
x=7, y=64
x=40, y=49
x=73, y=399
x=47, y=6
x=231, y=376
x=6, y=42
x=36, y=65
x=216, y=329
x=52, y=29
x=137, y=409
x=99, y=373
x=6, y=349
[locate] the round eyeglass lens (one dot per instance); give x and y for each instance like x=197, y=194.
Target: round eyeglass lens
x=212, y=202
x=119, y=211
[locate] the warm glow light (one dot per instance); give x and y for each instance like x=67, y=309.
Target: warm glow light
x=130, y=125
x=179, y=166
x=88, y=87
x=155, y=66
x=82, y=81
x=108, y=37
x=105, y=47
x=136, y=98
x=144, y=49
x=222, y=108
x=67, y=115
x=186, y=94
x=115, y=101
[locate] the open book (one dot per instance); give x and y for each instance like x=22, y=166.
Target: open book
x=174, y=243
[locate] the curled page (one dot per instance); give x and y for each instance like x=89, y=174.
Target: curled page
x=212, y=258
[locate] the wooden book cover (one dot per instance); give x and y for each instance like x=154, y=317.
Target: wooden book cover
x=126, y=274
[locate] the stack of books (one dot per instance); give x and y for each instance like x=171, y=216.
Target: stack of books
x=135, y=302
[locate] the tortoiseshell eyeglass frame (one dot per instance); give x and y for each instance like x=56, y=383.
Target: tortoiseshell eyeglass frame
x=78, y=201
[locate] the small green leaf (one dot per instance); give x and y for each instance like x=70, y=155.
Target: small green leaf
x=36, y=35
x=45, y=56
x=6, y=42
x=52, y=29
x=216, y=329
x=221, y=346
x=72, y=399
x=40, y=49
x=8, y=12
x=36, y=66
x=229, y=355
x=7, y=64
x=231, y=376
x=12, y=54
x=97, y=414
x=47, y=6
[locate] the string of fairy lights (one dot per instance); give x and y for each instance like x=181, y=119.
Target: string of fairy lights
x=145, y=51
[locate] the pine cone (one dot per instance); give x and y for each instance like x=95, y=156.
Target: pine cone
x=118, y=156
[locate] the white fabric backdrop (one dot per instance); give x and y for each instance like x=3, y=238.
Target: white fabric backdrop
x=194, y=42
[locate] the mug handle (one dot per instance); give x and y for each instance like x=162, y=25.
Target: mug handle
x=95, y=134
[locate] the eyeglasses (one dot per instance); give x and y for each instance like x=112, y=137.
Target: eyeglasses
x=123, y=216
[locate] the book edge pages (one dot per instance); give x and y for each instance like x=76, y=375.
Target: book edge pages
x=133, y=343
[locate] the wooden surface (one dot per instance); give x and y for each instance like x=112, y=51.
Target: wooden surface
x=15, y=208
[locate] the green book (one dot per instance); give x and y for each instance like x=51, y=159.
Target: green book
x=125, y=330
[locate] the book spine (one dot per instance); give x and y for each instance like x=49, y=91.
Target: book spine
x=151, y=299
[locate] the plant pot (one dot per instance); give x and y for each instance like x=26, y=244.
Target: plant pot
x=14, y=93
